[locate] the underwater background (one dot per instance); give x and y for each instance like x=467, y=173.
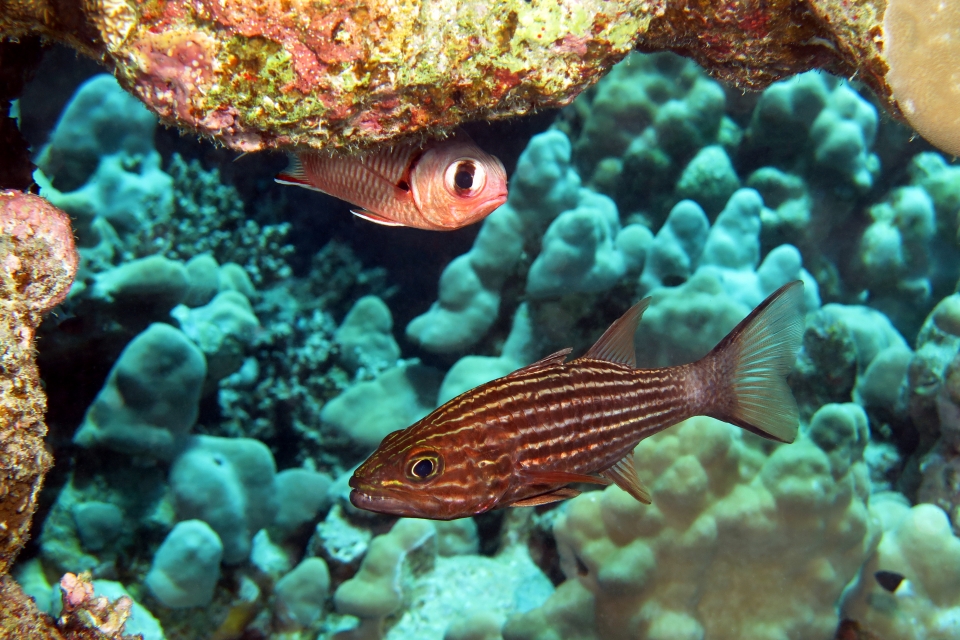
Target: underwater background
x=232, y=348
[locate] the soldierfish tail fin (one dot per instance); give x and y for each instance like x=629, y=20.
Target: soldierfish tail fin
x=294, y=173
x=749, y=367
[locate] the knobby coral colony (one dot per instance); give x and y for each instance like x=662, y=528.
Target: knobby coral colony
x=343, y=74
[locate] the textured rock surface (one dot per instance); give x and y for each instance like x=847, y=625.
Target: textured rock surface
x=345, y=73
x=37, y=263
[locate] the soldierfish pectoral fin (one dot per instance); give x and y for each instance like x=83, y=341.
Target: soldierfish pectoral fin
x=372, y=217
x=616, y=343
x=749, y=368
x=564, y=493
x=624, y=475
x=550, y=361
x=533, y=477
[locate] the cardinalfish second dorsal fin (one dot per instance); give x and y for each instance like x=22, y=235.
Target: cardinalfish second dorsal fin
x=616, y=343
x=624, y=475
x=551, y=360
x=563, y=493
x=749, y=368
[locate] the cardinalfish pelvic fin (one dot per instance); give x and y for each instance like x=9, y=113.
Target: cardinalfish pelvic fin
x=440, y=185
x=521, y=440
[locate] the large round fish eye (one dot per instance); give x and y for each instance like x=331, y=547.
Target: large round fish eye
x=423, y=466
x=464, y=177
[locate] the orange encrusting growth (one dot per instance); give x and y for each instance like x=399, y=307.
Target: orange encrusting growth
x=521, y=439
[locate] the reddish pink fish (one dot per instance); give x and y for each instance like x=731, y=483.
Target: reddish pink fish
x=440, y=185
x=522, y=439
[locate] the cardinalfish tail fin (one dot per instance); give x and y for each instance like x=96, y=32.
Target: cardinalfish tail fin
x=750, y=366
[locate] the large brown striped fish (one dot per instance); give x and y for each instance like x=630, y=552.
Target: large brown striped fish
x=522, y=439
x=440, y=185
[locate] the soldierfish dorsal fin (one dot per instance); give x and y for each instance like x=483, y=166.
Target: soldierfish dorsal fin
x=549, y=361
x=624, y=475
x=563, y=493
x=372, y=217
x=616, y=343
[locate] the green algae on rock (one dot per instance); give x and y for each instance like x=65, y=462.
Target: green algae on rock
x=348, y=74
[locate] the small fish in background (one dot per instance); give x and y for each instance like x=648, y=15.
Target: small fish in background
x=522, y=439
x=439, y=185
x=894, y=582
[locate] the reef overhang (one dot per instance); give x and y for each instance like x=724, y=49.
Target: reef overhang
x=351, y=73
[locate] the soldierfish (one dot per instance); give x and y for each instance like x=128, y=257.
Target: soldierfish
x=520, y=440
x=440, y=184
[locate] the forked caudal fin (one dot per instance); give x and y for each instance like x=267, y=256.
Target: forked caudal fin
x=749, y=367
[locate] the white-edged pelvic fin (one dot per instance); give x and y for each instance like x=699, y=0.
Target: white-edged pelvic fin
x=563, y=493
x=553, y=359
x=616, y=343
x=624, y=475
x=373, y=217
x=750, y=367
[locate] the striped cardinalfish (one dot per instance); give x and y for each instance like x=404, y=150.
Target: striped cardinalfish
x=440, y=185
x=521, y=440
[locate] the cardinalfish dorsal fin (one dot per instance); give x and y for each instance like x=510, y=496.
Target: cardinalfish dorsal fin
x=749, y=367
x=616, y=343
x=551, y=360
x=624, y=475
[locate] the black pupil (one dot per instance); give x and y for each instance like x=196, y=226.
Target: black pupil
x=423, y=468
x=464, y=177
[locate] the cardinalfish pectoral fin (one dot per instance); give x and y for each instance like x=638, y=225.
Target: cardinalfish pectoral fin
x=563, y=493
x=749, y=367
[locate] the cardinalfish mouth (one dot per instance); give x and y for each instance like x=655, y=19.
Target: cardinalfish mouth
x=386, y=500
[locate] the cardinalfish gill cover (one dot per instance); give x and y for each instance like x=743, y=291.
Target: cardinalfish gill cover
x=439, y=185
x=520, y=440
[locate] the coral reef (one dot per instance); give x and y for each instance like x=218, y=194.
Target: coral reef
x=38, y=261
x=794, y=518
x=208, y=402
x=317, y=75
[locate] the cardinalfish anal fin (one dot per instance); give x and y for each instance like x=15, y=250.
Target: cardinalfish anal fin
x=439, y=185
x=523, y=439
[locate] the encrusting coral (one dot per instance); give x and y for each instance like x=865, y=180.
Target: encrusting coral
x=38, y=260
x=339, y=74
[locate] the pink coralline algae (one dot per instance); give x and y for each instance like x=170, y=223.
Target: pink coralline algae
x=352, y=73
x=38, y=261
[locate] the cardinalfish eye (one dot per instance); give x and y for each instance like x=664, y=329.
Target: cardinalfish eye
x=464, y=177
x=423, y=465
